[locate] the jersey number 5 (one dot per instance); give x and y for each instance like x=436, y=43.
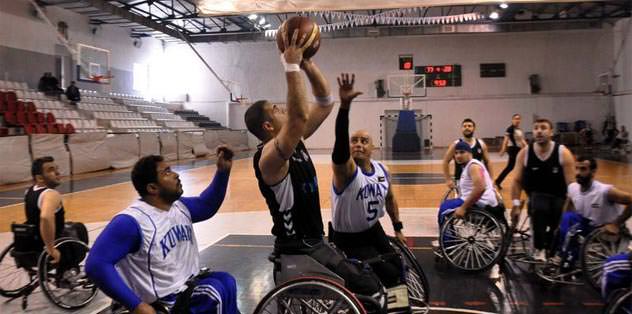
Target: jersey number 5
x=372, y=210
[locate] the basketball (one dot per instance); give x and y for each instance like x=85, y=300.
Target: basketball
x=311, y=43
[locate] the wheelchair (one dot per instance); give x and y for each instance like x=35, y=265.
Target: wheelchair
x=619, y=303
x=26, y=266
x=477, y=241
x=595, y=248
x=309, y=287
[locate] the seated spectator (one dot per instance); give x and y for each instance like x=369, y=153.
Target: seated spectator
x=72, y=93
x=621, y=140
x=587, y=134
x=49, y=85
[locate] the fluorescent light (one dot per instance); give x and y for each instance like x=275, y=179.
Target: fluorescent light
x=267, y=25
x=503, y=5
x=494, y=15
x=252, y=17
x=262, y=20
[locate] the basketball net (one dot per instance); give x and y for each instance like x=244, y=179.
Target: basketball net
x=105, y=79
x=406, y=100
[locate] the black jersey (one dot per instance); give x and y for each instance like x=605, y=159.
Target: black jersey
x=477, y=153
x=544, y=176
x=33, y=211
x=294, y=202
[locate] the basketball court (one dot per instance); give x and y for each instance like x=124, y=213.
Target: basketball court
x=175, y=78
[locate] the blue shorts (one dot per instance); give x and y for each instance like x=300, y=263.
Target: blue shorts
x=447, y=208
x=572, y=226
x=214, y=294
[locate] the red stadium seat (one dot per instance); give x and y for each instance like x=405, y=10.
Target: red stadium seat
x=3, y=106
x=41, y=117
x=10, y=118
x=11, y=106
x=29, y=129
x=50, y=117
x=60, y=128
x=11, y=96
x=31, y=117
x=3, y=97
x=70, y=129
x=20, y=106
x=40, y=128
x=30, y=107
x=4, y=131
x=51, y=128
x=21, y=117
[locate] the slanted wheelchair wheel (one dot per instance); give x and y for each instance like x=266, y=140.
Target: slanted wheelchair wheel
x=309, y=295
x=620, y=305
x=474, y=243
x=70, y=289
x=416, y=281
x=598, y=246
x=15, y=280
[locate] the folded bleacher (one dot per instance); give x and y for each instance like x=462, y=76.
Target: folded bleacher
x=200, y=120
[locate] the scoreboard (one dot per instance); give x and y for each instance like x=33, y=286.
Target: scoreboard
x=441, y=75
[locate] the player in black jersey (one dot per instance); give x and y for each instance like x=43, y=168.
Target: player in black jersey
x=44, y=208
x=479, y=152
x=286, y=174
x=544, y=171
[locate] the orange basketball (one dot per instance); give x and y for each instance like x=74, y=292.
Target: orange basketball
x=307, y=27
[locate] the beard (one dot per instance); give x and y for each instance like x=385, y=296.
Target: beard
x=170, y=196
x=468, y=134
x=583, y=181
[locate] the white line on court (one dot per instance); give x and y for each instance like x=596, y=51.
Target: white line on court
x=450, y=309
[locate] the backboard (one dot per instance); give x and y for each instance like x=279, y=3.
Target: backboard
x=406, y=85
x=93, y=64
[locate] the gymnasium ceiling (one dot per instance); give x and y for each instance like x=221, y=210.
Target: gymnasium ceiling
x=218, y=20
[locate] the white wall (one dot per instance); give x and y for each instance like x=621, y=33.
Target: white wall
x=20, y=30
x=623, y=84
x=568, y=63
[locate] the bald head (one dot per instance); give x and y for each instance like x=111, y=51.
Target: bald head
x=361, y=144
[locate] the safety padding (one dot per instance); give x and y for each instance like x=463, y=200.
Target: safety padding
x=16, y=159
x=124, y=150
x=185, y=145
x=211, y=140
x=169, y=146
x=237, y=139
x=88, y=152
x=149, y=144
x=51, y=145
x=199, y=148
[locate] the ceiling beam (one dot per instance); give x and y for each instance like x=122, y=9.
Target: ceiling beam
x=114, y=10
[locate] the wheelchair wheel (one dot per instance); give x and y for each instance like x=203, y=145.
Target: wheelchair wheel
x=416, y=281
x=621, y=304
x=597, y=247
x=14, y=281
x=309, y=295
x=67, y=288
x=474, y=243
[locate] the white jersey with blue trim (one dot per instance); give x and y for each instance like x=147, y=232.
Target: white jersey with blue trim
x=168, y=255
x=466, y=185
x=593, y=204
x=360, y=205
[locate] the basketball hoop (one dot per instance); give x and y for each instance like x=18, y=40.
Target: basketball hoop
x=105, y=79
x=406, y=91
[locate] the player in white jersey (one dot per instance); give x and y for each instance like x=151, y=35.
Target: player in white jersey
x=476, y=190
x=148, y=253
x=590, y=205
x=361, y=193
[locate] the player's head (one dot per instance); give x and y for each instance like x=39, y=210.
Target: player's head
x=542, y=130
x=152, y=177
x=462, y=152
x=516, y=119
x=45, y=172
x=264, y=119
x=361, y=145
x=467, y=127
x=585, y=167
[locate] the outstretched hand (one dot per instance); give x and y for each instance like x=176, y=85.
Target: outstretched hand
x=346, y=91
x=224, y=158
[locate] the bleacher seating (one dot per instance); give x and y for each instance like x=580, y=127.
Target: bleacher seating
x=13, y=86
x=165, y=117
x=198, y=119
x=106, y=115
x=101, y=107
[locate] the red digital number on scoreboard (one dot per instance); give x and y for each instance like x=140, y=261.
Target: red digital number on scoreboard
x=429, y=69
x=440, y=83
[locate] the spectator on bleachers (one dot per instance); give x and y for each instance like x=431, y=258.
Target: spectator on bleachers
x=609, y=130
x=621, y=140
x=587, y=134
x=73, y=94
x=49, y=85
